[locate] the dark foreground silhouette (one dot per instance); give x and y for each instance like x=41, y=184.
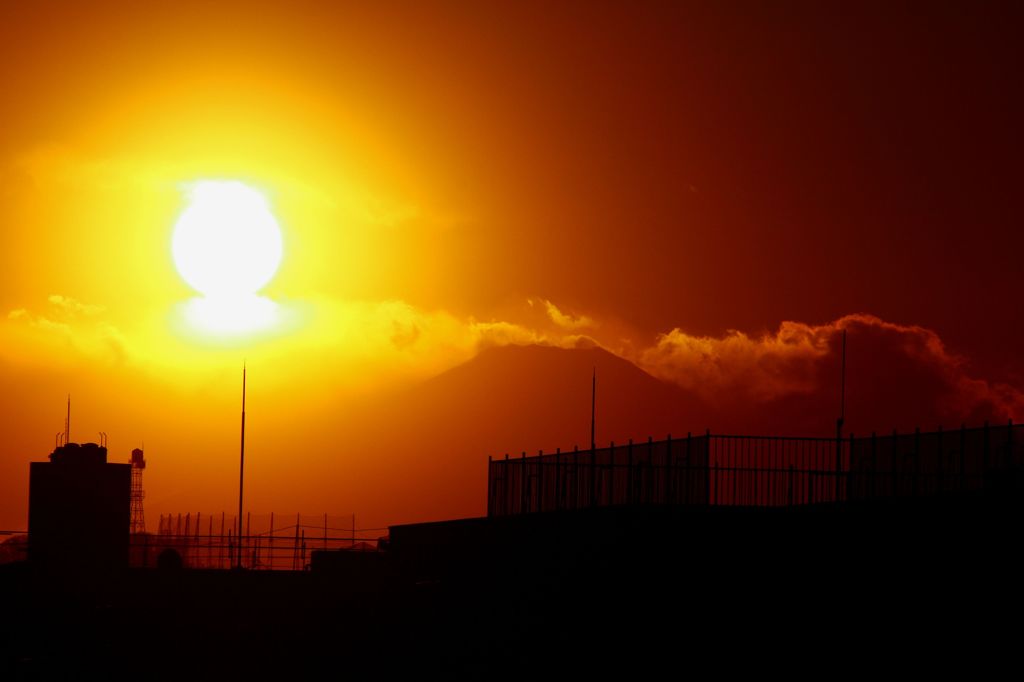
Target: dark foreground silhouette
x=863, y=586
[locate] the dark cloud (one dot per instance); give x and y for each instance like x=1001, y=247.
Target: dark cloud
x=898, y=376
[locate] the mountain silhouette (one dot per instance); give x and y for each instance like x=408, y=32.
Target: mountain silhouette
x=435, y=437
x=515, y=398
x=421, y=454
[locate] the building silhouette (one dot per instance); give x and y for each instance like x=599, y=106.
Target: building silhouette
x=79, y=510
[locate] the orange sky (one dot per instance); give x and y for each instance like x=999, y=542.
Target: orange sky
x=648, y=177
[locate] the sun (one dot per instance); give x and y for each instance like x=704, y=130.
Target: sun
x=226, y=244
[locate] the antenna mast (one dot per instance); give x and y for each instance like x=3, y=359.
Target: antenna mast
x=67, y=423
x=842, y=393
x=841, y=419
x=241, y=472
x=138, y=518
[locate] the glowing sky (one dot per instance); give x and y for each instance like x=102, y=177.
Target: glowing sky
x=649, y=177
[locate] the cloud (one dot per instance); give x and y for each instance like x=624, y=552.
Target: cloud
x=60, y=315
x=564, y=320
x=64, y=324
x=761, y=368
x=405, y=335
x=370, y=343
x=74, y=307
x=396, y=335
x=897, y=375
x=782, y=381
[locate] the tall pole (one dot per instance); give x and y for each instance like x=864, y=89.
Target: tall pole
x=67, y=423
x=842, y=392
x=241, y=472
x=593, y=408
x=841, y=419
x=842, y=402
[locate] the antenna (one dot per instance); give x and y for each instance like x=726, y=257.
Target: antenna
x=842, y=393
x=842, y=417
x=67, y=423
x=593, y=408
x=241, y=471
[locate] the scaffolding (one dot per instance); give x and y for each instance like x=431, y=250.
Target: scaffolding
x=138, y=523
x=202, y=540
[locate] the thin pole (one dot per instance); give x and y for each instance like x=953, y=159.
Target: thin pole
x=241, y=472
x=593, y=408
x=842, y=418
x=67, y=423
x=842, y=385
x=220, y=548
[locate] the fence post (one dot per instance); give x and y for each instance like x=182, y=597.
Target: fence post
x=524, y=485
x=611, y=464
x=669, y=477
x=754, y=469
x=611, y=475
x=575, y=476
x=735, y=462
x=630, y=480
x=688, y=470
x=506, y=502
x=1009, y=447
x=874, y=464
x=593, y=475
x=650, y=470
x=558, y=478
x=963, y=444
x=839, y=454
x=220, y=545
x=892, y=473
x=707, y=467
x=917, y=461
x=849, y=468
x=540, y=480
x=984, y=469
x=248, y=535
x=296, y=561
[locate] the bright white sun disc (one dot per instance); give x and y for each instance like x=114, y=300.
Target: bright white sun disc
x=226, y=242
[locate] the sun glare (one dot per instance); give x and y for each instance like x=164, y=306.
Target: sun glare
x=227, y=243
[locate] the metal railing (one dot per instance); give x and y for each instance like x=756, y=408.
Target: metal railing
x=756, y=471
